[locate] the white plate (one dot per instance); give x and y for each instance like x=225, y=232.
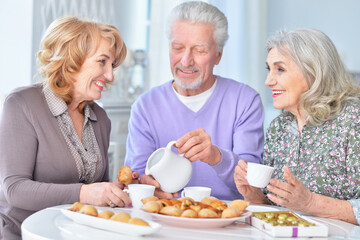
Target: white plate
x=110, y=225
x=198, y=222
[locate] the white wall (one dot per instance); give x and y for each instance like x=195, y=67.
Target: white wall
x=340, y=20
x=15, y=44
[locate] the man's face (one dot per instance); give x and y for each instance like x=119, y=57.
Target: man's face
x=193, y=56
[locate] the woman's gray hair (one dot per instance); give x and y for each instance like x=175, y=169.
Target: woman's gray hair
x=331, y=86
x=201, y=12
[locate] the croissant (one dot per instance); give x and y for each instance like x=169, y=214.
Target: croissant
x=207, y=213
x=175, y=202
x=239, y=204
x=138, y=221
x=76, y=207
x=165, y=202
x=218, y=204
x=121, y=217
x=149, y=199
x=125, y=175
x=106, y=214
x=230, y=212
x=189, y=213
x=171, y=211
x=89, y=210
x=152, y=207
x=198, y=206
x=209, y=200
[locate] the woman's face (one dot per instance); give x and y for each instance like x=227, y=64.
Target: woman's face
x=285, y=80
x=94, y=73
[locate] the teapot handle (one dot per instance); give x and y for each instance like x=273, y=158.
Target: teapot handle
x=170, y=144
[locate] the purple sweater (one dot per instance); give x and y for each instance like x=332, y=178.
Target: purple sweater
x=233, y=117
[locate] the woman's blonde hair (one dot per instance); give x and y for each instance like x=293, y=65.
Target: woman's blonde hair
x=331, y=86
x=66, y=44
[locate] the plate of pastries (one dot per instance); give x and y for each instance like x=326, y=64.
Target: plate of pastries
x=185, y=212
x=118, y=222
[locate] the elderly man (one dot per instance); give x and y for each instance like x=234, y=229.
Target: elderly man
x=215, y=121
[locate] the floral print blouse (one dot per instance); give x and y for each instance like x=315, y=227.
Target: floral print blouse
x=325, y=158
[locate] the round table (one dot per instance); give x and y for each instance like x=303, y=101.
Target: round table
x=50, y=223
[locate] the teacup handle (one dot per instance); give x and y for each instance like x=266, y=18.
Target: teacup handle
x=170, y=144
x=183, y=193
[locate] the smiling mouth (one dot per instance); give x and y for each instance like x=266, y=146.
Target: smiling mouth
x=100, y=84
x=277, y=93
x=188, y=71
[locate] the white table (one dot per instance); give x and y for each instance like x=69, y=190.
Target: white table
x=50, y=223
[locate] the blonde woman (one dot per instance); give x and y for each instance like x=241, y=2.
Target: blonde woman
x=53, y=137
x=314, y=143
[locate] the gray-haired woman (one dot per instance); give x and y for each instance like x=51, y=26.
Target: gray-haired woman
x=314, y=143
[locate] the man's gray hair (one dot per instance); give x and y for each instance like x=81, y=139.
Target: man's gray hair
x=201, y=12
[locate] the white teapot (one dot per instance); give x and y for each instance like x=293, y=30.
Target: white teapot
x=171, y=170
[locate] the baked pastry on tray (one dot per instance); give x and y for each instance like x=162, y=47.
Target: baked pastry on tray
x=187, y=207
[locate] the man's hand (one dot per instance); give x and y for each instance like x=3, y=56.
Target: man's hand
x=148, y=179
x=197, y=145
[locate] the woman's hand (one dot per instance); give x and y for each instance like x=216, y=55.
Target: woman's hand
x=148, y=179
x=104, y=194
x=197, y=145
x=291, y=194
x=251, y=194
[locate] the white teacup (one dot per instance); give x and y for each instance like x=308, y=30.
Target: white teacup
x=196, y=193
x=138, y=192
x=259, y=175
x=171, y=170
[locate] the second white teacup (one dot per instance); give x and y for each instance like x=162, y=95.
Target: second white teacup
x=196, y=193
x=259, y=175
x=138, y=192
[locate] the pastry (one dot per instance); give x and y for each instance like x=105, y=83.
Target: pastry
x=189, y=213
x=186, y=203
x=121, y=217
x=89, y=210
x=106, y=214
x=230, y=212
x=149, y=199
x=175, y=202
x=208, y=200
x=76, y=207
x=171, y=211
x=198, y=206
x=239, y=204
x=138, y=221
x=165, y=202
x=125, y=175
x=152, y=206
x=186, y=198
x=218, y=204
x=207, y=213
